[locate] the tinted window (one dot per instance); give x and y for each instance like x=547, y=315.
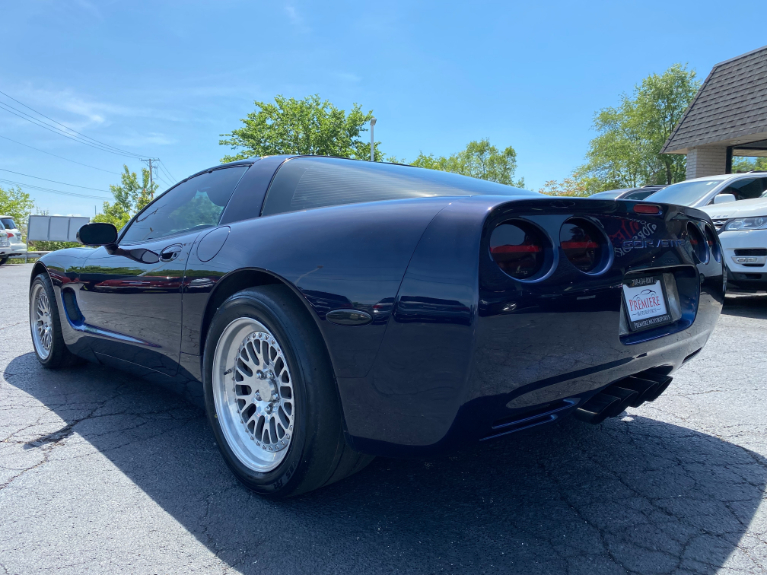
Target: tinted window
x=746, y=189
x=611, y=195
x=639, y=195
x=306, y=183
x=194, y=204
x=9, y=223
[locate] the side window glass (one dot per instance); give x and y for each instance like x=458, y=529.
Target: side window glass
x=745, y=189
x=194, y=204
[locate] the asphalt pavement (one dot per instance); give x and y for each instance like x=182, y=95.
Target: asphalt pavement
x=104, y=473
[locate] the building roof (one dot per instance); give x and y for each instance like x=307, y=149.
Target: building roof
x=729, y=109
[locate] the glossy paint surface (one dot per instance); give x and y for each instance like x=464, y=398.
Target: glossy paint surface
x=453, y=344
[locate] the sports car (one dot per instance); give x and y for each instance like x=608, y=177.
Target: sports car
x=327, y=310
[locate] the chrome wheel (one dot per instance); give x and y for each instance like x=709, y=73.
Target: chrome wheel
x=253, y=394
x=41, y=322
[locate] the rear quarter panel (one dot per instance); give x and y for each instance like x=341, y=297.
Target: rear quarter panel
x=352, y=257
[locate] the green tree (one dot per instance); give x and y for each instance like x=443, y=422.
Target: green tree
x=748, y=164
x=308, y=126
x=16, y=203
x=626, y=151
x=576, y=185
x=130, y=197
x=480, y=159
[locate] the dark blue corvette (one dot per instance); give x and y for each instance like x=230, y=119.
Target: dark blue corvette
x=329, y=310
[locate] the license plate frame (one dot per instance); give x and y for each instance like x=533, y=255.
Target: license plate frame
x=642, y=311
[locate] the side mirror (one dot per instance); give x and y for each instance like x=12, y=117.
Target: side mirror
x=97, y=234
x=724, y=198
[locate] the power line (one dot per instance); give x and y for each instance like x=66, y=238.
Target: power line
x=95, y=141
x=51, y=190
x=54, y=181
x=164, y=167
x=60, y=157
x=162, y=179
x=55, y=130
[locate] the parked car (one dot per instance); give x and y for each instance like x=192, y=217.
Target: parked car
x=330, y=310
x=16, y=247
x=627, y=193
x=709, y=190
x=742, y=230
x=5, y=244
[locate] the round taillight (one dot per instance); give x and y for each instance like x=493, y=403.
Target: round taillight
x=713, y=244
x=584, y=245
x=697, y=243
x=519, y=249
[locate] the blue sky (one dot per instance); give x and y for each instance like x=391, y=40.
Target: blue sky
x=164, y=79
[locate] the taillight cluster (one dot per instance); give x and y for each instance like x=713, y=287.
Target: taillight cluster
x=713, y=243
x=697, y=243
x=518, y=249
x=525, y=252
x=583, y=244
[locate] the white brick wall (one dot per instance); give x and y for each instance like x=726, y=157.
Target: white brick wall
x=706, y=161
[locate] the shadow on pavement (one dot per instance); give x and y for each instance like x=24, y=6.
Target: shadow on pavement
x=746, y=305
x=633, y=494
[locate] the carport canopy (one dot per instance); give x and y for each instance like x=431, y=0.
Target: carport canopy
x=727, y=117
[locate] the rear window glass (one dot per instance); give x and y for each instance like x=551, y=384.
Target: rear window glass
x=307, y=183
x=8, y=223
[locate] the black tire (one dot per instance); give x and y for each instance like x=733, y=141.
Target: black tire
x=3, y=260
x=318, y=453
x=59, y=355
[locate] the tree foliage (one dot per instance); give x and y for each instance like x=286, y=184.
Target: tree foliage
x=308, y=126
x=480, y=159
x=626, y=151
x=16, y=203
x=131, y=195
x=576, y=185
x=748, y=164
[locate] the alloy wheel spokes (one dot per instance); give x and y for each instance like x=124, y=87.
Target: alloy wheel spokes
x=263, y=391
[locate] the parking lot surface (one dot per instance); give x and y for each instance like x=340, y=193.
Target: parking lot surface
x=104, y=473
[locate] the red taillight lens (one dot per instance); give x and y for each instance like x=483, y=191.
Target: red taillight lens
x=652, y=209
x=583, y=244
x=518, y=248
x=9, y=234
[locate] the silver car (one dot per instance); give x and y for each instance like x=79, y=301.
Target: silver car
x=714, y=190
x=10, y=243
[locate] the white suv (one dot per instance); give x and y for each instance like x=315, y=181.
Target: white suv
x=737, y=205
x=742, y=230
x=13, y=246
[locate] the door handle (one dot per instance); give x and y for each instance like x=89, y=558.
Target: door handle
x=170, y=253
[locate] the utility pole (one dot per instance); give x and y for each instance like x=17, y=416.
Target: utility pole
x=151, y=175
x=372, y=141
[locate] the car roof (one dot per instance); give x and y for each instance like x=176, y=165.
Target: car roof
x=717, y=177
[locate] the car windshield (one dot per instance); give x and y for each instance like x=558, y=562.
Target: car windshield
x=8, y=223
x=611, y=195
x=685, y=193
x=639, y=195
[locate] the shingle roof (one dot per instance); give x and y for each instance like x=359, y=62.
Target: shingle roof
x=730, y=105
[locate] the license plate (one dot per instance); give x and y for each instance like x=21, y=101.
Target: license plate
x=646, y=303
